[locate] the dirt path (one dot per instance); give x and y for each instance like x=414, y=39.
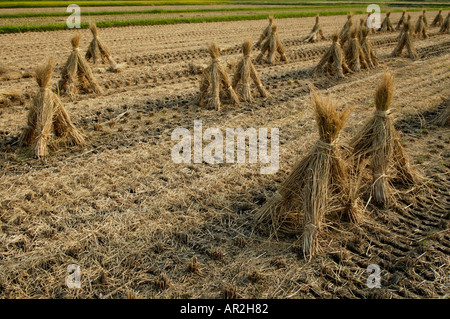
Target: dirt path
x=123, y=211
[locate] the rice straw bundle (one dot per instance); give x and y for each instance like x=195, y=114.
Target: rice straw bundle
x=77, y=71
x=405, y=40
x=401, y=21
x=344, y=34
x=315, y=33
x=379, y=141
x=367, y=48
x=354, y=54
x=265, y=33
x=245, y=72
x=361, y=26
x=445, y=27
x=386, y=25
x=47, y=115
x=97, y=47
x=408, y=21
x=215, y=78
x=425, y=20
x=438, y=20
x=312, y=182
x=333, y=61
x=272, y=45
x=421, y=28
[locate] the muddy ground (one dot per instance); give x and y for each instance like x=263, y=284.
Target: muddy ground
x=134, y=221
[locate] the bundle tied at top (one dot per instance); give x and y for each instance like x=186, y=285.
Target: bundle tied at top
x=76, y=74
x=354, y=54
x=438, y=20
x=271, y=46
x=316, y=31
x=333, y=61
x=379, y=141
x=401, y=21
x=421, y=28
x=265, y=33
x=215, y=79
x=303, y=198
x=386, y=25
x=445, y=27
x=405, y=41
x=98, y=49
x=245, y=72
x=367, y=48
x=47, y=115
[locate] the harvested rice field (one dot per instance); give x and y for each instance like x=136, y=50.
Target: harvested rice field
x=140, y=225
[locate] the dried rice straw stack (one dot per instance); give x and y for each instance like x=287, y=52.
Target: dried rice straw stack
x=47, y=115
x=380, y=141
x=386, y=25
x=401, y=21
x=272, y=45
x=367, y=48
x=310, y=185
x=333, y=61
x=411, y=31
x=438, y=20
x=405, y=40
x=245, y=72
x=77, y=71
x=97, y=48
x=265, y=33
x=315, y=33
x=354, y=54
x=445, y=27
x=213, y=78
x=344, y=34
x=421, y=28
x=425, y=20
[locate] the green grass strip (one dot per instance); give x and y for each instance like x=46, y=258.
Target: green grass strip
x=163, y=11
x=167, y=21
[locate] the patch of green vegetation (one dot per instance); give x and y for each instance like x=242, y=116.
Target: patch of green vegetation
x=164, y=11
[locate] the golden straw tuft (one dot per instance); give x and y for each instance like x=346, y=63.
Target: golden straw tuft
x=380, y=141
